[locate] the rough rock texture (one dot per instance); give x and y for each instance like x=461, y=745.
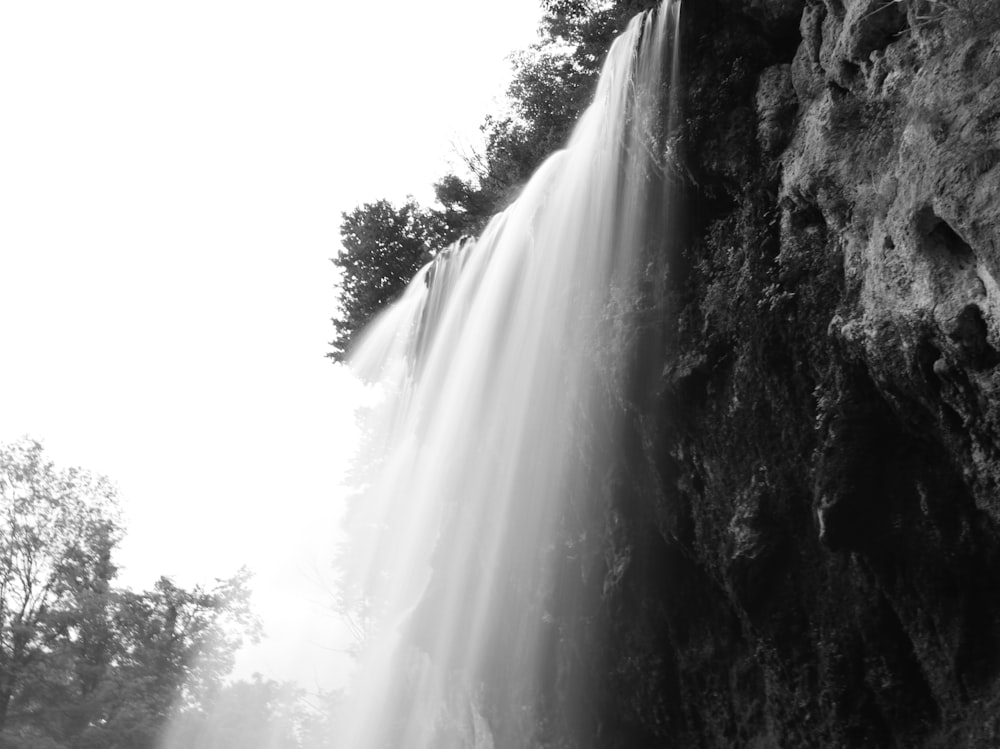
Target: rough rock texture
x=802, y=544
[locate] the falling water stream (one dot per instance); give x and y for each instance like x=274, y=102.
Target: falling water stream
x=494, y=370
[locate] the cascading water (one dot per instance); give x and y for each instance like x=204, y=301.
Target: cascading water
x=496, y=368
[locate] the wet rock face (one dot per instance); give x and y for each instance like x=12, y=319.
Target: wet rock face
x=812, y=524
x=901, y=156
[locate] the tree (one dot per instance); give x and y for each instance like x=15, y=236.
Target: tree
x=57, y=531
x=382, y=249
x=172, y=648
x=256, y=714
x=85, y=665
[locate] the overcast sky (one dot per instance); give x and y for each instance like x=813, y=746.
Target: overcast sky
x=171, y=181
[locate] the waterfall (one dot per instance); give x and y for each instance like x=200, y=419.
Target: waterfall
x=502, y=372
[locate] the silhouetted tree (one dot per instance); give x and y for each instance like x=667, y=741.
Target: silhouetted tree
x=382, y=248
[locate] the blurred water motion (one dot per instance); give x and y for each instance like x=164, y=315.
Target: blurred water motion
x=499, y=369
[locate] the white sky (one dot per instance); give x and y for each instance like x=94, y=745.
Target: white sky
x=171, y=181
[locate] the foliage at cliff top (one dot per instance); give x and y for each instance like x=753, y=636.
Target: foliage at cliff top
x=553, y=80
x=382, y=247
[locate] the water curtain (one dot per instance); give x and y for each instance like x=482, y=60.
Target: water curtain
x=502, y=372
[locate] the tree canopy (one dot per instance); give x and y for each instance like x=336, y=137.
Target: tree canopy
x=83, y=663
x=382, y=248
x=255, y=714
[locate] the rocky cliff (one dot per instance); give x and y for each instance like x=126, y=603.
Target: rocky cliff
x=800, y=544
